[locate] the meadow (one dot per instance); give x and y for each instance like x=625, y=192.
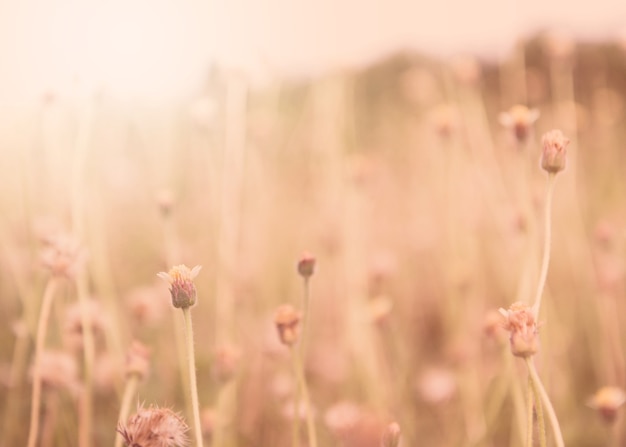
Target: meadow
x=400, y=209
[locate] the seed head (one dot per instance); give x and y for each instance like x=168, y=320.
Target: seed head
x=306, y=265
x=391, y=436
x=519, y=120
x=182, y=287
x=154, y=427
x=287, y=320
x=607, y=401
x=521, y=324
x=553, y=151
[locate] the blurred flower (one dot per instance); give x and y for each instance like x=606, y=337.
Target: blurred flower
x=607, y=401
x=58, y=370
x=521, y=324
x=306, y=265
x=519, y=120
x=182, y=287
x=154, y=427
x=146, y=305
x=445, y=120
x=287, y=321
x=63, y=256
x=137, y=360
x=95, y=317
x=554, y=151
x=436, y=385
x=225, y=362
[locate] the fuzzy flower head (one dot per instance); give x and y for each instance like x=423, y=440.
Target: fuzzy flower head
x=519, y=120
x=522, y=326
x=607, y=401
x=154, y=427
x=182, y=287
x=553, y=151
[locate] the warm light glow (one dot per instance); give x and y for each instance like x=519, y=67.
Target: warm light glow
x=161, y=48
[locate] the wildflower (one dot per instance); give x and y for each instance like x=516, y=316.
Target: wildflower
x=519, y=119
x=182, y=288
x=520, y=322
x=287, y=320
x=391, y=436
x=58, y=370
x=306, y=265
x=154, y=427
x=554, y=151
x=63, y=256
x=607, y=401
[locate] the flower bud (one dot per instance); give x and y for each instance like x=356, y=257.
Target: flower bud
x=287, y=320
x=554, y=151
x=182, y=287
x=306, y=265
x=520, y=322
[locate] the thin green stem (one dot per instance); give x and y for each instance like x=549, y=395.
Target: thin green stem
x=42, y=329
x=191, y=359
x=554, y=422
x=129, y=391
x=547, y=241
x=299, y=370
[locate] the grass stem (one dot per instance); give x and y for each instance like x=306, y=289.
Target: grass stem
x=42, y=329
x=192, y=376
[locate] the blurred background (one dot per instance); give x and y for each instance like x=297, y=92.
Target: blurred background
x=397, y=144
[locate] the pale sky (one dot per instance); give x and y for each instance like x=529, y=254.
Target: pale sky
x=162, y=47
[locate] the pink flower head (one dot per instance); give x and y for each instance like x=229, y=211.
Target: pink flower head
x=182, y=287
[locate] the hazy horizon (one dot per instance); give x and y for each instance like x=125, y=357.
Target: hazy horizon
x=162, y=48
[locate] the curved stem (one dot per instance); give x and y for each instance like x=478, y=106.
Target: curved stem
x=554, y=422
x=191, y=359
x=547, y=242
x=129, y=391
x=42, y=329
